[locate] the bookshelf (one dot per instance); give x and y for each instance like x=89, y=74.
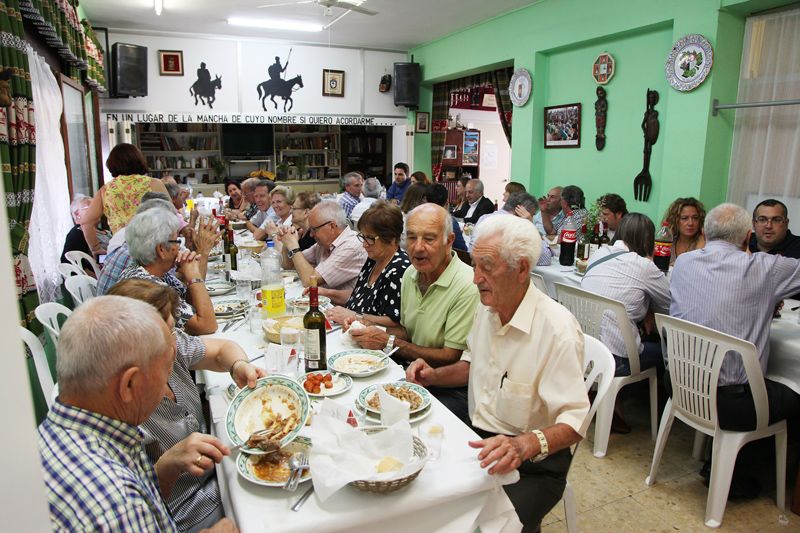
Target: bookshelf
x=185, y=150
x=314, y=149
x=365, y=149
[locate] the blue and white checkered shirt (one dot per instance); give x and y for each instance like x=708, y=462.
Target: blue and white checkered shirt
x=347, y=202
x=116, y=262
x=97, y=474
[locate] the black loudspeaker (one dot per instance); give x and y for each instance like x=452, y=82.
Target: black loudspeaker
x=407, y=77
x=129, y=70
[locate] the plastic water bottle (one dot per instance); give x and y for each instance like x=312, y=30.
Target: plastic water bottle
x=273, y=302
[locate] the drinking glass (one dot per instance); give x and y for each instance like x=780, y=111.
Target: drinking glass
x=432, y=435
x=254, y=319
x=290, y=348
x=243, y=291
x=360, y=413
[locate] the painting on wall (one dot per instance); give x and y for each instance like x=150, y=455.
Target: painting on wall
x=333, y=83
x=170, y=62
x=276, y=85
x=562, y=126
x=450, y=151
x=423, y=124
x=204, y=89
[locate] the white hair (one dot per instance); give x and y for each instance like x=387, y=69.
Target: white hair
x=104, y=336
x=478, y=185
x=350, y=177
x=447, y=220
x=153, y=203
x=727, y=222
x=372, y=188
x=332, y=211
x=77, y=203
x=147, y=230
x=518, y=239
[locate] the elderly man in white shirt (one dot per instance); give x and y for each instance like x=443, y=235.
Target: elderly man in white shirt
x=523, y=365
x=371, y=192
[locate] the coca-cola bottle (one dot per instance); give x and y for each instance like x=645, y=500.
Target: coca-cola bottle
x=568, y=237
x=663, y=248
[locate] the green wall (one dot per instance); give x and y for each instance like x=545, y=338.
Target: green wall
x=557, y=41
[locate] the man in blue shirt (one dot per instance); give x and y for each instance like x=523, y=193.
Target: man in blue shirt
x=401, y=182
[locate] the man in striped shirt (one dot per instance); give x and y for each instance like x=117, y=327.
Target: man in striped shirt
x=114, y=357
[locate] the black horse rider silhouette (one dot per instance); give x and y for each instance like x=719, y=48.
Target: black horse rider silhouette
x=276, y=86
x=205, y=88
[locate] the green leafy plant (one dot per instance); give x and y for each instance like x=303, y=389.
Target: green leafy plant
x=219, y=169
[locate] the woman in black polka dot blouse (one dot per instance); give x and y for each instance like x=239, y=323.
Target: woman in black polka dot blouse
x=376, y=294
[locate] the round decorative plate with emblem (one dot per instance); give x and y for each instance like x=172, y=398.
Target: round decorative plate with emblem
x=689, y=62
x=519, y=89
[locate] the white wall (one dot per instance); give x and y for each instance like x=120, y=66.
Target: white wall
x=495, y=152
x=242, y=65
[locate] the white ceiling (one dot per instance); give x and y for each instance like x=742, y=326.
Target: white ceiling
x=399, y=24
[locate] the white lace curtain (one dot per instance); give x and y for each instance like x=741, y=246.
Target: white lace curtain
x=51, y=219
x=765, y=159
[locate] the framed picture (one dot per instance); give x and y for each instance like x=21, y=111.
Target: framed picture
x=562, y=126
x=423, y=122
x=450, y=151
x=170, y=62
x=333, y=83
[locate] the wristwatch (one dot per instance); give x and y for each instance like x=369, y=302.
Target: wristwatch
x=291, y=252
x=544, y=448
x=389, y=343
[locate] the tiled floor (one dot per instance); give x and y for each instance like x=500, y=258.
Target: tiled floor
x=611, y=494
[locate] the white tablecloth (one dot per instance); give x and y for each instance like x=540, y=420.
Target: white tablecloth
x=451, y=494
x=557, y=273
x=784, y=347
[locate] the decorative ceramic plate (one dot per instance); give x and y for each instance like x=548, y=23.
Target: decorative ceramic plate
x=412, y=419
x=411, y=392
x=358, y=363
x=246, y=465
x=520, y=86
x=276, y=401
x=689, y=62
x=219, y=287
x=341, y=383
x=229, y=307
x=302, y=302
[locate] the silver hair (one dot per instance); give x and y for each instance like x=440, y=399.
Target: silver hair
x=447, y=219
x=249, y=183
x=372, y=188
x=350, y=176
x=528, y=201
x=173, y=189
x=163, y=203
x=75, y=204
x=147, y=230
x=478, y=185
x=104, y=336
x=285, y=191
x=519, y=239
x=332, y=211
x=727, y=222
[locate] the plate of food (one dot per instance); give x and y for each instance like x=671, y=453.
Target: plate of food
x=322, y=383
x=302, y=302
x=277, y=402
x=358, y=363
x=412, y=419
x=230, y=307
x=417, y=397
x=219, y=287
x=252, y=246
x=272, y=470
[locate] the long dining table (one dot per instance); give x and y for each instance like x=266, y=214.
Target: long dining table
x=452, y=493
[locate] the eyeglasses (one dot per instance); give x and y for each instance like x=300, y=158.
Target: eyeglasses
x=175, y=241
x=298, y=208
x=314, y=229
x=367, y=239
x=763, y=221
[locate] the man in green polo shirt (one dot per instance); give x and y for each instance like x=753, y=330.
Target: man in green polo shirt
x=437, y=301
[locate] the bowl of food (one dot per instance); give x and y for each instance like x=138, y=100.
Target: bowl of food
x=418, y=398
x=358, y=363
x=273, y=470
x=252, y=246
x=302, y=303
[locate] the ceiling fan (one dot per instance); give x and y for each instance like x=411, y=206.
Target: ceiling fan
x=328, y=4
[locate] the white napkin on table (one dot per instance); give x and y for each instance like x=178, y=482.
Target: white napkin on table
x=342, y=454
x=392, y=409
x=347, y=339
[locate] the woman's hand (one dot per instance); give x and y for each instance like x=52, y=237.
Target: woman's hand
x=523, y=213
x=339, y=314
x=188, y=266
x=247, y=374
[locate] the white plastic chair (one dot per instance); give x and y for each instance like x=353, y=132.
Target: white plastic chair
x=599, y=365
x=48, y=314
x=538, y=282
x=76, y=257
x=589, y=309
x=40, y=363
x=695, y=354
x=81, y=288
x=68, y=269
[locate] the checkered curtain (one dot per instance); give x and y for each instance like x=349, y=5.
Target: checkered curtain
x=441, y=105
x=18, y=151
x=500, y=80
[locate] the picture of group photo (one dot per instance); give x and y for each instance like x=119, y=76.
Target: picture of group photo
x=562, y=126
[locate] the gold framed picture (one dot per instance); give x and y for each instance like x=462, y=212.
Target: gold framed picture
x=170, y=62
x=333, y=83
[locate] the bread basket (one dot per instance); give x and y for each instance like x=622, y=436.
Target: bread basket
x=272, y=330
x=391, y=485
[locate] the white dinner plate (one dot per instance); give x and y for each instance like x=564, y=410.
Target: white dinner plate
x=252, y=410
x=229, y=307
x=358, y=363
x=365, y=395
x=412, y=419
x=341, y=384
x=219, y=287
x=245, y=463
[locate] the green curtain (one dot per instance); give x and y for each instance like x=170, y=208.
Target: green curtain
x=18, y=152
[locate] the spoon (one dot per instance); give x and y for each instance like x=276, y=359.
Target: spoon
x=380, y=361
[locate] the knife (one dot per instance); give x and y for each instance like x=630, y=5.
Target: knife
x=296, y=507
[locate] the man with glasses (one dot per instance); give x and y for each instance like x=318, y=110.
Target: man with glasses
x=771, y=232
x=336, y=258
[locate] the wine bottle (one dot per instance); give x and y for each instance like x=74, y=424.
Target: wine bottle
x=314, y=325
x=232, y=251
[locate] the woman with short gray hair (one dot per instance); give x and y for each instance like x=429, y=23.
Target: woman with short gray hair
x=153, y=243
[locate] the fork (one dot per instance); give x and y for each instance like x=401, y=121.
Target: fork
x=642, y=185
x=293, y=481
x=266, y=432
